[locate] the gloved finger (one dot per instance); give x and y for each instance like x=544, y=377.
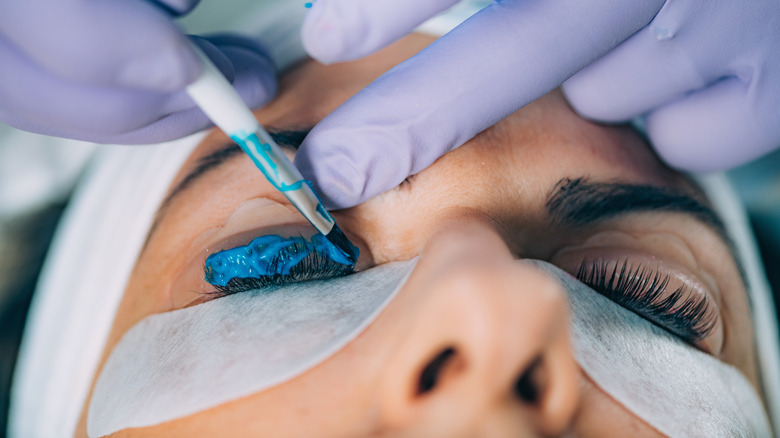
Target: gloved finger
x=721, y=126
x=343, y=30
x=254, y=79
x=639, y=75
x=254, y=71
x=500, y=59
x=129, y=43
x=244, y=62
x=61, y=108
x=33, y=99
x=181, y=100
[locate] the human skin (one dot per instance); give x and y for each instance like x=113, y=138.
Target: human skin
x=469, y=217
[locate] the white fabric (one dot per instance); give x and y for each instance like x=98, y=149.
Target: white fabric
x=242, y=344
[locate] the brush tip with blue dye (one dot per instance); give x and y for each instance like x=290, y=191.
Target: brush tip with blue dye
x=273, y=259
x=340, y=241
x=222, y=104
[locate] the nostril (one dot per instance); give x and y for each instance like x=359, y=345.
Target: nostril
x=431, y=374
x=528, y=387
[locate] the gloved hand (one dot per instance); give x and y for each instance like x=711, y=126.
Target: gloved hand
x=705, y=73
x=113, y=71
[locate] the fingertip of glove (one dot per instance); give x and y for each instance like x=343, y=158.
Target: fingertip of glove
x=589, y=101
x=339, y=185
x=220, y=60
x=683, y=150
x=254, y=74
x=168, y=68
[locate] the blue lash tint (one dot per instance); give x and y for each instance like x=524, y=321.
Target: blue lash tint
x=269, y=256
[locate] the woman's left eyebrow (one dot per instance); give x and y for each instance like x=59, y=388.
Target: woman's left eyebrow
x=578, y=203
x=287, y=139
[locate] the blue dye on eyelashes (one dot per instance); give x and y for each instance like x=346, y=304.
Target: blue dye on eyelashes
x=268, y=256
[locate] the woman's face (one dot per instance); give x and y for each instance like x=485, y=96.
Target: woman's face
x=487, y=327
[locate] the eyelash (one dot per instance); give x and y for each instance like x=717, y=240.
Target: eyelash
x=312, y=267
x=406, y=184
x=642, y=289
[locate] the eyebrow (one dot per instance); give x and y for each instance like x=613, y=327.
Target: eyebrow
x=580, y=203
x=288, y=139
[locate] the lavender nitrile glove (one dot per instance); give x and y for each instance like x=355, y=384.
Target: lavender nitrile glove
x=113, y=71
x=708, y=74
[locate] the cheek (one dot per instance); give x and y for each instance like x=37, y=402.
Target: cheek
x=596, y=406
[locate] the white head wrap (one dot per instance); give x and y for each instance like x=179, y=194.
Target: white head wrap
x=83, y=281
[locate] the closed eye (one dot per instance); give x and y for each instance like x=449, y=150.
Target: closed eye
x=312, y=267
x=272, y=260
x=643, y=290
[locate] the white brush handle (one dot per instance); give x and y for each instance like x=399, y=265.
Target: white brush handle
x=221, y=103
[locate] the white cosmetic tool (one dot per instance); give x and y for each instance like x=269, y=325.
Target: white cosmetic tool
x=222, y=104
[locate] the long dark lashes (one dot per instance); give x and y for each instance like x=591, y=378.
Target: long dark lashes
x=640, y=289
x=312, y=267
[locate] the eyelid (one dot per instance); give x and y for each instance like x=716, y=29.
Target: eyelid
x=646, y=291
x=692, y=289
x=189, y=284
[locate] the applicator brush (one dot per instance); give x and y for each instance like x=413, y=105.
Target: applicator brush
x=222, y=104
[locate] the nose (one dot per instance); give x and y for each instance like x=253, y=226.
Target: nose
x=486, y=351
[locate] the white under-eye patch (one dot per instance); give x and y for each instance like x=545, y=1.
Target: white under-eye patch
x=675, y=388
x=178, y=363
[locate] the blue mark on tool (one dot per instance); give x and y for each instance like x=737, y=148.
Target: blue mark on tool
x=320, y=208
x=324, y=213
x=290, y=187
x=260, y=153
